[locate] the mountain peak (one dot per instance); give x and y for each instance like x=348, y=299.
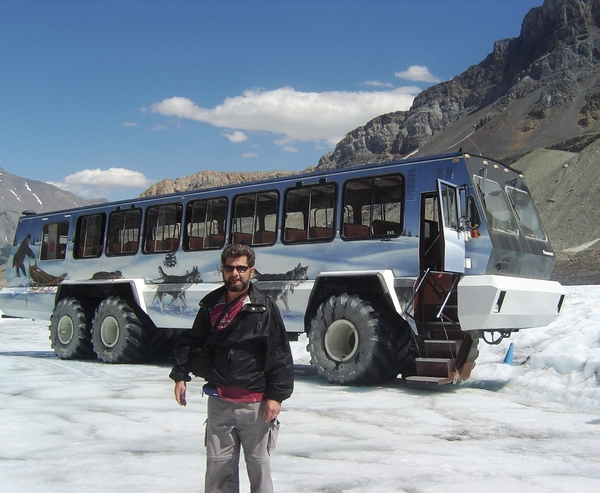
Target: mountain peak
x=532, y=91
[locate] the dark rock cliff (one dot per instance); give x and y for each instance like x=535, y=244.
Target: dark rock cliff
x=533, y=91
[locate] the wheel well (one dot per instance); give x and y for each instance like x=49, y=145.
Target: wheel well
x=90, y=295
x=370, y=287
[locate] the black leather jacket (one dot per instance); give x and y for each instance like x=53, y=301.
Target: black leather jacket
x=252, y=353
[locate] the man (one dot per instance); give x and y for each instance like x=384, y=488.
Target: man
x=249, y=375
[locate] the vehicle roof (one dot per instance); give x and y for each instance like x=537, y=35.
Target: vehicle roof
x=234, y=187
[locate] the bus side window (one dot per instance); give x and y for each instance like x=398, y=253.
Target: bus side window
x=373, y=207
x=254, y=219
x=162, y=228
x=309, y=214
x=123, y=232
x=205, y=224
x=89, y=236
x=54, y=241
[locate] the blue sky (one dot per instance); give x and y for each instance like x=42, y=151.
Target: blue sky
x=104, y=98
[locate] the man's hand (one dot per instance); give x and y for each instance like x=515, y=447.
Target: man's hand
x=272, y=409
x=180, y=389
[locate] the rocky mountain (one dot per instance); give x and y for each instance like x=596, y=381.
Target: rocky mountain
x=565, y=186
x=538, y=90
x=207, y=179
x=534, y=91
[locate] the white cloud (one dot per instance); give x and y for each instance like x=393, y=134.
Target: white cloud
x=236, y=137
x=376, y=83
x=289, y=148
x=294, y=115
x=249, y=155
x=99, y=182
x=130, y=124
x=418, y=73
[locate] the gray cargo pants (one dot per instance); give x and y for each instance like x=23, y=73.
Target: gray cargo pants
x=229, y=425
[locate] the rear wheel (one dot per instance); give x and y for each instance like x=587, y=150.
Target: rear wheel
x=117, y=333
x=70, y=330
x=353, y=343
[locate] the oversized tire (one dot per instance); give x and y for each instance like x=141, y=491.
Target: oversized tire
x=70, y=335
x=352, y=343
x=117, y=333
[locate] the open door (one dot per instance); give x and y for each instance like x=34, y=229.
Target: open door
x=453, y=241
x=430, y=241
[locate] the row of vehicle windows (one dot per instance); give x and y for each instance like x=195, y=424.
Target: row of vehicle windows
x=372, y=208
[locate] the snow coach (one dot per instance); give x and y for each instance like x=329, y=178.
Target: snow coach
x=395, y=268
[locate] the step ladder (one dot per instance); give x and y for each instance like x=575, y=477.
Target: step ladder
x=446, y=354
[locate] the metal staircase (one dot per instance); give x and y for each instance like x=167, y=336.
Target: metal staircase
x=445, y=354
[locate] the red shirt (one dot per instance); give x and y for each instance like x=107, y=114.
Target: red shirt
x=225, y=391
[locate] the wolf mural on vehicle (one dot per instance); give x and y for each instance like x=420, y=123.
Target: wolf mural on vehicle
x=175, y=286
x=279, y=286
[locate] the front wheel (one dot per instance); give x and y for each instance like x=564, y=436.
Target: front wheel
x=117, y=333
x=352, y=343
x=70, y=330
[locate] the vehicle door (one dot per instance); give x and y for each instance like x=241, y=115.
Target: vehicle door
x=451, y=236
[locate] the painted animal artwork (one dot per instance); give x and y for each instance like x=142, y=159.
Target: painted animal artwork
x=279, y=286
x=174, y=286
x=117, y=274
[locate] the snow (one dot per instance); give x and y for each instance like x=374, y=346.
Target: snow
x=85, y=426
x=582, y=247
x=32, y=193
x=15, y=194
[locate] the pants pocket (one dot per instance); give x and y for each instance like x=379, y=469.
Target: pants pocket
x=273, y=435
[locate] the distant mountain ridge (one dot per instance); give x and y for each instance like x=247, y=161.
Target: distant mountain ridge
x=209, y=179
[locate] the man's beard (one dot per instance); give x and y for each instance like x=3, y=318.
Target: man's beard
x=237, y=286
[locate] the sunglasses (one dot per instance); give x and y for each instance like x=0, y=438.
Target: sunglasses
x=240, y=268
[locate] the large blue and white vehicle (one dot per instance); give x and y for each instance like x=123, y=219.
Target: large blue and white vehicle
x=395, y=268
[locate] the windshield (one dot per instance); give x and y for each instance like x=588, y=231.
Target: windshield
x=495, y=205
x=527, y=216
